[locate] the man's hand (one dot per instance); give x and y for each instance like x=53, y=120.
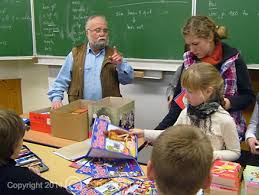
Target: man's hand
x=116, y=58
x=252, y=142
x=56, y=104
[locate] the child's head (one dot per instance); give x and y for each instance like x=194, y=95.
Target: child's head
x=181, y=160
x=203, y=83
x=12, y=130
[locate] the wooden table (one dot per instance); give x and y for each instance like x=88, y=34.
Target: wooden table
x=56, y=142
x=59, y=170
x=46, y=139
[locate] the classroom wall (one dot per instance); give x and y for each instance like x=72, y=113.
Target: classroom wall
x=149, y=95
x=34, y=82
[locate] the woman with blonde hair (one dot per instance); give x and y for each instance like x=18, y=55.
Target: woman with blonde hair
x=203, y=39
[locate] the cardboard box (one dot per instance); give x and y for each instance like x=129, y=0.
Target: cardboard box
x=40, y=120
x=117, y=110
x=70, y=125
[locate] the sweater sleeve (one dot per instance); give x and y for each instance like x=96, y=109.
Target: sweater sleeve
x=62, y=82
x=230, y=138
x=151, y=135
x=244, y=87
x=125, y=73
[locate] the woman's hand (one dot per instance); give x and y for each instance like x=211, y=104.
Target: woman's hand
x=252, y=142
x=227, y=104
x=169, y=101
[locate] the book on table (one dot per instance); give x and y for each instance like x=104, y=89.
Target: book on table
x=226, y=175
x=251, y=179
x=107, y=168
x=27, y=158
x=74, y=151
x=118, y=186
x=112, y=144
x=112, y=163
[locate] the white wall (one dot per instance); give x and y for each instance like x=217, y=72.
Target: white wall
x=149, y=95
x=150, y=101
x=34, y=82
x=9, y=70
x=34, y=87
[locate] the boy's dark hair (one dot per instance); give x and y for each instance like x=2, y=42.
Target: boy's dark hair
x=12, y=130
x=181, y=158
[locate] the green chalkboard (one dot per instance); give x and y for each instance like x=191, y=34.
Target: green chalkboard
x=15, y=28
x=149, y=29
x=242, y=21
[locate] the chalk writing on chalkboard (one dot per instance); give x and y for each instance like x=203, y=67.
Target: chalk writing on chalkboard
x=152, y=24
x=241, y=19
x=15, y=21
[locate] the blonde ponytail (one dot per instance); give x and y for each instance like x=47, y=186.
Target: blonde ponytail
x=222, y=32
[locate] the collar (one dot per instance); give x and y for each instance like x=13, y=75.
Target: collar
x=228, y=53
x=216, y=56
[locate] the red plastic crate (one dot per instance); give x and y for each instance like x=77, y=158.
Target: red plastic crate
x=40, y=121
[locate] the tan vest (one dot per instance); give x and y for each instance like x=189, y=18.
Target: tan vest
x=109, y=75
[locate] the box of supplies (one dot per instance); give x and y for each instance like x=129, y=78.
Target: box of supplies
x=117, y=110
x=40, y=120
x=71, y=121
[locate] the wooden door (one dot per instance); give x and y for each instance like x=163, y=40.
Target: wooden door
x=10, y=95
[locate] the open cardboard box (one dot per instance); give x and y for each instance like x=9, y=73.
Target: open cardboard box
x=117, y=110
x=71, y=126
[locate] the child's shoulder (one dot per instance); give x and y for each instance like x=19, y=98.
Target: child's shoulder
x=17, y=173
x=223, y=112
x=224, y=115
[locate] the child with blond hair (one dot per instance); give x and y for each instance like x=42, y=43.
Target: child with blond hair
x=204, y=92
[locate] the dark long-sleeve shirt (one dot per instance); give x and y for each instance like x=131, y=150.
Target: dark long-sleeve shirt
x=238, y=102
x=20, y=180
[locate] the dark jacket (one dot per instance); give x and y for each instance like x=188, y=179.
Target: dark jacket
x=238, y=103
x=109, y=75
x=20, y=180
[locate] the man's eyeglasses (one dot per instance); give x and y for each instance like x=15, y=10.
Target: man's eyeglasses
x=98, y=30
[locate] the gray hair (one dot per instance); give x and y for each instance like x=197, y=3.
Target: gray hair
x=91, y=18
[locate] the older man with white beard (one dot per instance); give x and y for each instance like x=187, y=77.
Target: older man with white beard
x=92, y=70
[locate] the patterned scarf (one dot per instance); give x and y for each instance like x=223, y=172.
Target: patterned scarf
x=200, y=115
